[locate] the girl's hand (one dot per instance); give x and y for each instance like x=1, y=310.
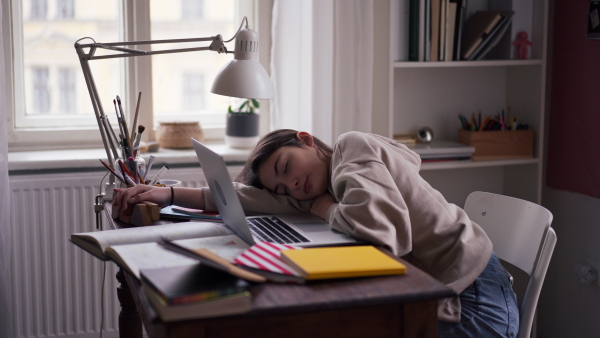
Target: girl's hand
x=126, y=198
x=321, y=204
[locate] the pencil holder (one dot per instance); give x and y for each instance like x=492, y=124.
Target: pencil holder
x=135, y=169
x=498, y=145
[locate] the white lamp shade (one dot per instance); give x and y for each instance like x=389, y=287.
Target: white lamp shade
x=244, y=79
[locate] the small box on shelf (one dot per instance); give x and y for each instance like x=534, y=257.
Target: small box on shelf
x=498, y=145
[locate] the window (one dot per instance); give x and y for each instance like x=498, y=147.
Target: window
x=182, y=81
x=192, y=92
x=65, y=9
x=50, y=96
x=66, y=89
x=192, y=9
x=39, y=9
x=41, y=91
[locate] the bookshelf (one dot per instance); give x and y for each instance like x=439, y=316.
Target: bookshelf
x=433, y=93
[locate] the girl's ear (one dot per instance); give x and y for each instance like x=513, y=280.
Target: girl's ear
x=306, y=137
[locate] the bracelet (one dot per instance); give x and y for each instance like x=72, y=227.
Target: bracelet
x=172, y=195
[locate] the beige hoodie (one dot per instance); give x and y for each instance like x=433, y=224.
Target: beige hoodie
x=383, y=200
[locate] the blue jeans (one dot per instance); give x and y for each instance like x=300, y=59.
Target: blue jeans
x=488, y=306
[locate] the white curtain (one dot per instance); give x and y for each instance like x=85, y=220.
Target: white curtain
x=322, y=66
x=5, y=229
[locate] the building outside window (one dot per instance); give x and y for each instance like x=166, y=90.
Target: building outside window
x=39, y=9
x=41, y=91
x=192, y=92
x=66, y=87
x=192, y=9
x=65, y=9
x=50, y=94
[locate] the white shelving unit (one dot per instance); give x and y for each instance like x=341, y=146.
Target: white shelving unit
x=433, y=94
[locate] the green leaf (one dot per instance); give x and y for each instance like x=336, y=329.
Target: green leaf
x=244, y=104
x=229, y=110
x=255, y=103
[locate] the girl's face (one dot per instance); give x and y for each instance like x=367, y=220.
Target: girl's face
x=296, y=171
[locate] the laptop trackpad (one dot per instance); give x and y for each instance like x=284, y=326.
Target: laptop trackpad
x=308, y=227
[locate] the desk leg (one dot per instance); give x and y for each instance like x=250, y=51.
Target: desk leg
x=130, y=323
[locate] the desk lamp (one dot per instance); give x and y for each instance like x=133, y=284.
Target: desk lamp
x=242, y=77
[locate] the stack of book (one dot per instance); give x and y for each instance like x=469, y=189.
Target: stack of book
x=443, y=151
x=482, y=32
x=435, y=29
x=195, y=291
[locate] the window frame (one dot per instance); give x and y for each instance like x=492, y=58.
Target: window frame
x=137, y=72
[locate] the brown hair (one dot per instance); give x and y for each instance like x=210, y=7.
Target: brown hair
x=267, y=145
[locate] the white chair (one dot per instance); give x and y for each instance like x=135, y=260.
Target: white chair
x=521, y=233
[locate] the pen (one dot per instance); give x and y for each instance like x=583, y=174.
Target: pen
x=126, y=173
x=126, y=131
x=148, y=166
x=117, y=175
x=133, y=168
x=158, y=175
x=135, y=119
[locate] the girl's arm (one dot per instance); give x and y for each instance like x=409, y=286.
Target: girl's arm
x=322, y=204
x=125, y=198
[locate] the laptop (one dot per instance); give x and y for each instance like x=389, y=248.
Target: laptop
x=298, y=229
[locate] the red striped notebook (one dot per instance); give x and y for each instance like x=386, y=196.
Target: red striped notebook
x=263, y=258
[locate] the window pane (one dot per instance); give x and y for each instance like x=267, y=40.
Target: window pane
x=181, y=82
x=41, y=91
x=54, y=92
x=67, y=90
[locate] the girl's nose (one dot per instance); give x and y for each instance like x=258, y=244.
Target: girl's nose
x=293, y=184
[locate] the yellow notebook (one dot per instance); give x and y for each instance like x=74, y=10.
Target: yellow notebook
x=341, y=262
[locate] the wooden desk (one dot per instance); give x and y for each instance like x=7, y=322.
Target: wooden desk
x=391, y=306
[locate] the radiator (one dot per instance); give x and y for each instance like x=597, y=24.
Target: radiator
x=57, y=287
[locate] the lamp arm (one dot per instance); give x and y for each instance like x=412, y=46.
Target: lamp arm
x=216, y=45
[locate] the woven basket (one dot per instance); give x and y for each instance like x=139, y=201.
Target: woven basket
x=178, y=135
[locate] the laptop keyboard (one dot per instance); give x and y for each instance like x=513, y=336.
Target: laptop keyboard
x=272, y=229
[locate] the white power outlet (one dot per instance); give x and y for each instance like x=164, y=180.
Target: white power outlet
x=588, y=272
x=596, y=266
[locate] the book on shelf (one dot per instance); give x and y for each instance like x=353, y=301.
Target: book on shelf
x=435, y=29
x=442, y=33
x=477, y=29
x=135, y=249
x=405, y=138
x=413, y=31
x=177, y=212
x=418, y=28
x=228, y=305
x=461, y=8
x=342, y=262
x=191, y=283
x=443, y=150
x=451, y=7
x=494, y=37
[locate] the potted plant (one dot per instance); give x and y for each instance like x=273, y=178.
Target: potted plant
x=242, y=125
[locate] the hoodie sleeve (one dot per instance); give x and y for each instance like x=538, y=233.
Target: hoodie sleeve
x=256, y=200
x=371, y=205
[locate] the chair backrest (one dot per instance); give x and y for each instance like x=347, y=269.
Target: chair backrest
x=521, y=234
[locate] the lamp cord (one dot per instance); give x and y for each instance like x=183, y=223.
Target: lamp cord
x=87, y=37
x=238, y=31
